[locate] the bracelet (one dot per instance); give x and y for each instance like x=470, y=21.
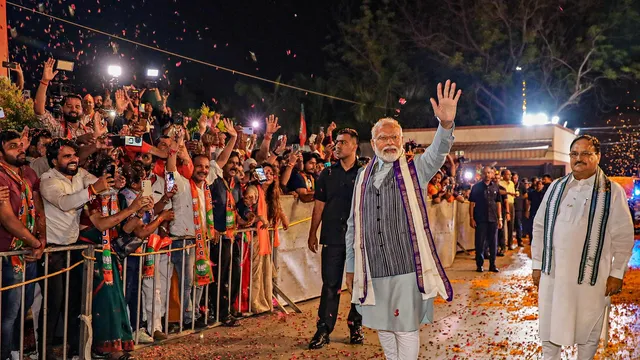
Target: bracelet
x=44, y=83
x=92, y=190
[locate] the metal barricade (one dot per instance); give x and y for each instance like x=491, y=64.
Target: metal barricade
x=146, y=302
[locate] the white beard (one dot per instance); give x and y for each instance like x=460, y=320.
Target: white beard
x=388, y=157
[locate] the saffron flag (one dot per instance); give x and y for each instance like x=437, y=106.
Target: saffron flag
x=303, y=127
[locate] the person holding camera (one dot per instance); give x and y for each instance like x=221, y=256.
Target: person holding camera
x=70, y=126
x=108, y=221
x=65, y=189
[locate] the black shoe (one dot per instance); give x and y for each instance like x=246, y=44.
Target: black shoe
x=494, y=269
x=357, y=335
x=501, y=253
x=320, y=339
x=479, y=269
x=230, y=321
x=199, y=324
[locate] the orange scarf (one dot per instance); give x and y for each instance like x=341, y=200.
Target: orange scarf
x=204, y=275
x=27, y=215
x=109, y=207
x=231, y=213
x=263, y=234
x=309, y=181
x=155, y=243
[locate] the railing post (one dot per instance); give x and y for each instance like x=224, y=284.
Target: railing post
x=87, y=301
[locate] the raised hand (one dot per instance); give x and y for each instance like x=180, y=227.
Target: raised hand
x=447, y=104
x=272, y=125
x=121, y=101
x=48, y=74
x=228, y=124
x=202, y=123
x=99, y=126
x=25, y=139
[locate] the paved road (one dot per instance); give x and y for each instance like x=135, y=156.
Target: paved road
x=492, y=316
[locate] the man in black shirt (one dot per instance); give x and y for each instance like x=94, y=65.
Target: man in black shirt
x=486, y=217
x=333, y=193
x=534, y=199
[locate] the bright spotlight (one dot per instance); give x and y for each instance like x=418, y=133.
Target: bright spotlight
x=535, y=119
x=518, y=68
x=555, y=119
x=255, y=124
x=114, y=70
x=468, y=175
x=152, y=73
x=577, y=132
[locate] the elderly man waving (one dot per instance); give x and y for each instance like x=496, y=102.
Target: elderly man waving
x=392, y=265
x=586, y=238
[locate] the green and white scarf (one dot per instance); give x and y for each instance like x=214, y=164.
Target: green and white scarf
x=598, y=217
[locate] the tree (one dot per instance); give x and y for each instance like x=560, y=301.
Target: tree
x=18, y=112
x=562, y=50
x=369, y=62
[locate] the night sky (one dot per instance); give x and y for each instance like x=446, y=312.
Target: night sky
x=286, y=37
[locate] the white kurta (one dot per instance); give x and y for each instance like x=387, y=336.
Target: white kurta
x=568, y=310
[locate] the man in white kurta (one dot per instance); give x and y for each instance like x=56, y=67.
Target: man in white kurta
x=393, y=270
x=571, y=310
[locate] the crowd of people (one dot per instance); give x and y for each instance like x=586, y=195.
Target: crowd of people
x=119, y=169
x=126, y=174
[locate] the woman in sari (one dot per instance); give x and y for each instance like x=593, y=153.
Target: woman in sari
x=102, y=222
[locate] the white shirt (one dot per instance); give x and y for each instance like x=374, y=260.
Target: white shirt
x=40, y=165
x=63, y=202
x=182, y=203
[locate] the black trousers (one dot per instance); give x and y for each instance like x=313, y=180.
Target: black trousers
x=333, y=259
x=519, y=226
x=229, y=262
x=55, y=300
x=486, y=236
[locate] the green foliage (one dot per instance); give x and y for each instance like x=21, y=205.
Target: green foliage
x=18, y=112
x=564, y=51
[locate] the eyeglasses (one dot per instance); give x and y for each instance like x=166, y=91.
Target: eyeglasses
x=385, y=138
x=575, y=155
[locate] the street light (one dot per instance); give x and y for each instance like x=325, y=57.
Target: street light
x=577, y=132
x=518, y=68
x=555, y=119
x=114, y=70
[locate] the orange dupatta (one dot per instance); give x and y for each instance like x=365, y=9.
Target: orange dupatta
x=263, y=234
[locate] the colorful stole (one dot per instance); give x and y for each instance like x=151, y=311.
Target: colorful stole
x=26, y=214
x=230, y=212
x=430, y=275
x=202, y=267
x=309, y=181
x=263, y=234
x=598, y=217
x=67, y=131
x=109, y=206
x=154, y=244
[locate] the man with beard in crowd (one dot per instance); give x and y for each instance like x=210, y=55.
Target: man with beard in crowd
x=21, y=226
x=303, y=179
x=193, y=208
x=65, y=189
x=393, y=269
x=332, y=205
x=70, y=126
